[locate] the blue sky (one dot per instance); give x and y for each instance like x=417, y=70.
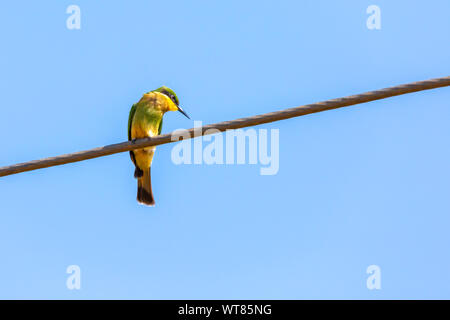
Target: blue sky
x=357, y=186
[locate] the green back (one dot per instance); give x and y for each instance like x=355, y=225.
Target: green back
x=130, y=121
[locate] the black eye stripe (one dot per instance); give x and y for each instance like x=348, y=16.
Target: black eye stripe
x=171, y=96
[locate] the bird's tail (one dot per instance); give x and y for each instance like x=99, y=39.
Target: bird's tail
x=144, y=191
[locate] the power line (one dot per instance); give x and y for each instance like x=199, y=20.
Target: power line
x=227, y=125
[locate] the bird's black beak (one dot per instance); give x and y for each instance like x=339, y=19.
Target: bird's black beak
x=182, y=111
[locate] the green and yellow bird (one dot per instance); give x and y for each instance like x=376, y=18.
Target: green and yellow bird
x=145, y=120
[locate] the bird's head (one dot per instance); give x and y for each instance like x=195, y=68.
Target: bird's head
x=174, y=103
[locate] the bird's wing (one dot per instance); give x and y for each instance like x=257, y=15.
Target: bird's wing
x=160, y=126
x=130, y=119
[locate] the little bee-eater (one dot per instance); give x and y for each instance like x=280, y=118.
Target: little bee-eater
x=145, y=120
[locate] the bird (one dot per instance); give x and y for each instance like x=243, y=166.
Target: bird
x=145, y=120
